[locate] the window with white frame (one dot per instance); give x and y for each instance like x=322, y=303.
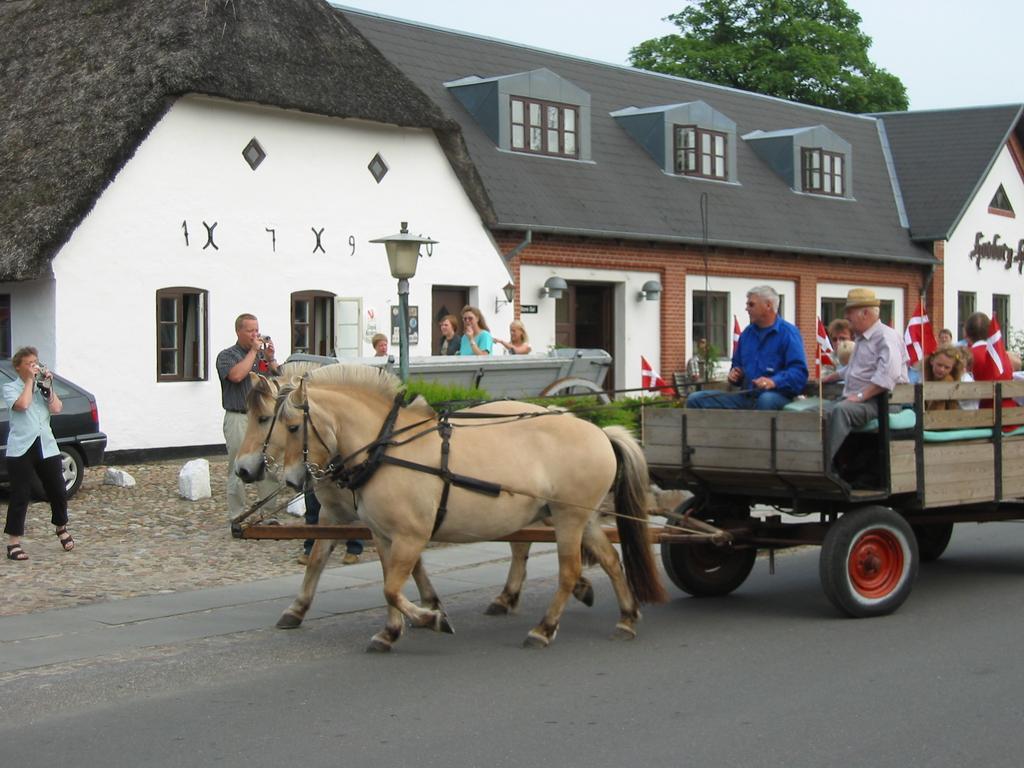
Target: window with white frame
x=181, y=334
x=711, y=320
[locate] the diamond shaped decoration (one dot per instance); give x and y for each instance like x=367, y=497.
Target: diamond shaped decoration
x=378, y=168
x=253, y=154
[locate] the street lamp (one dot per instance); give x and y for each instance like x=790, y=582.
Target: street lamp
x=403, y=252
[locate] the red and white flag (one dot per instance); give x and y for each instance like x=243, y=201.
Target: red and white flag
x=735, y=334
x=650, y=380
x=824, y=345
x=919, y=337
x=994, y=345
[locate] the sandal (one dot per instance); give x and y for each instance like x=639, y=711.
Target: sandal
x=66, y=541
x=15, y=552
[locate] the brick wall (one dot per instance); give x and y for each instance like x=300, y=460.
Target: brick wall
x=675, y=262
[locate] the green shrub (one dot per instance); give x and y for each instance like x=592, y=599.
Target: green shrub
x=436, y=393
x=623, y=413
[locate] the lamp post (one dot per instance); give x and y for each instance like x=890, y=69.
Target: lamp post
x=403, y=252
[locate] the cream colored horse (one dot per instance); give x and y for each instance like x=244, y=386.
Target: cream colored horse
x=338, y=504
x=544, y=464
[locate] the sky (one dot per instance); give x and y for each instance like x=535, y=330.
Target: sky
x=948, y=53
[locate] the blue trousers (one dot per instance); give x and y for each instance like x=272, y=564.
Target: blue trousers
x=765, y=400
x=353, y=546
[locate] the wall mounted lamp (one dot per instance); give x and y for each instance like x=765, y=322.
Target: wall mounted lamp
x=553, y=288
x=650, y=292
x=510, y=295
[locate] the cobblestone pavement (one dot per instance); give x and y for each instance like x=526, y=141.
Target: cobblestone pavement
x=139, y=541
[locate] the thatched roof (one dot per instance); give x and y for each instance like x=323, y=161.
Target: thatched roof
x=82, y=83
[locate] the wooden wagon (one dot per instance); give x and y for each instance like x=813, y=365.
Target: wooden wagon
x=910, y=476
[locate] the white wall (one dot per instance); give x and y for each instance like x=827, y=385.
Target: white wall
x=637, y=326
x=962, y=273
x=32, y=312
x=190, y=168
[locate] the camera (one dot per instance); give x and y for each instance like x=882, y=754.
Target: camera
x=41, y=380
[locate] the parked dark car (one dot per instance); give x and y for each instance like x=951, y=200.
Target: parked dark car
x=77, y=429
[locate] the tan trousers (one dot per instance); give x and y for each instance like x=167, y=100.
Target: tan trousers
x=234, y=431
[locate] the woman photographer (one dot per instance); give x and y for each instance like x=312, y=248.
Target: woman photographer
x=32, y=449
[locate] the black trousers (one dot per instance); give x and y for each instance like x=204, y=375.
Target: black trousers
x=20, y=470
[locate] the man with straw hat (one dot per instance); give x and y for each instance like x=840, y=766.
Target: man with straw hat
x=878, y=363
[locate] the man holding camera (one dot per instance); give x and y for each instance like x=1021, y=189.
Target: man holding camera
x=251, y=353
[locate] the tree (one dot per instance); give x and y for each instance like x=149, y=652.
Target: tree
x=810, y=51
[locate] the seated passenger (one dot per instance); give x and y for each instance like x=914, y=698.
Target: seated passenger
x=878, y=364
x=944, y=364
x=769, y=363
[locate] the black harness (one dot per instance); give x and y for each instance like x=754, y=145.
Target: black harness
x=355, y=476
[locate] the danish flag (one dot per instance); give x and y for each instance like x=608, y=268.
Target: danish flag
x=650, y=380
x=994, y=344
x=824, y=345
x=919, y=337
x=735, y=334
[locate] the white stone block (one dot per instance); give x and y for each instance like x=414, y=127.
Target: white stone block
x=297, y=506
x=194, y=480
x=118, y=477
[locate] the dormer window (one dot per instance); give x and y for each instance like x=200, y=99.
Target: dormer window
x=814, y=160
x=537, y=112
x=690, y=139
x=700, y=152
x=544, y=127
x=822, y=172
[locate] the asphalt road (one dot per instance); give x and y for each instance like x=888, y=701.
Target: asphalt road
x=770, y=676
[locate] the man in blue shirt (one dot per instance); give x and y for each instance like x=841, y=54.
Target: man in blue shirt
x=769, y=363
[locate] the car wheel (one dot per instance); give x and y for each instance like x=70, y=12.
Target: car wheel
x=73, y=468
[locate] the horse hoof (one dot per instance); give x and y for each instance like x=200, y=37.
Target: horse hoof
x=585, y=594
x=534, y=640
x=623, y=632
x=496, y=609
x=289, y=621
x=378, y=645
x=445, y=626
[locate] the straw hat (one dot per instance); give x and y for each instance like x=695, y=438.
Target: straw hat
x=861, y=297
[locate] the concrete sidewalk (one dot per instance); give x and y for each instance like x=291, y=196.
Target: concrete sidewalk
x=52, y=637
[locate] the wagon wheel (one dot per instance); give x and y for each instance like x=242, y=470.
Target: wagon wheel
x=932, y=540
x=705, y=570
x=868, y=562
x=569, y=384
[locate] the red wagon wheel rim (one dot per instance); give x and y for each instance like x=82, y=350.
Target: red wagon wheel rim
x=876, y=563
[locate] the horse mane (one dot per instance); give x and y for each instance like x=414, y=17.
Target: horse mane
x=366, y=377
x=297, y=368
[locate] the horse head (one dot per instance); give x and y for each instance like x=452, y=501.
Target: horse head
x=305, y=432
x=262, y=446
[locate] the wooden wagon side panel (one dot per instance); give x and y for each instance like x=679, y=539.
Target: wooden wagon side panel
x=1013, y=468
x=958, y=473
x=902, y=466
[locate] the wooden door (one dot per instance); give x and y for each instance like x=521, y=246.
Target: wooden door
x=446, y=300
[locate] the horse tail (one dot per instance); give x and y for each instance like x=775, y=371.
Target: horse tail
x=631, y=483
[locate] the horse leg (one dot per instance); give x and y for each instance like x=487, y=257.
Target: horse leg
x=428, y=595
x=296, y=612
x=398, y=562
x=508, y=600
x=596, y=542
x=569, y=537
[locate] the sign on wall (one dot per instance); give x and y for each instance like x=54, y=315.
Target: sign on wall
x=414, y=325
